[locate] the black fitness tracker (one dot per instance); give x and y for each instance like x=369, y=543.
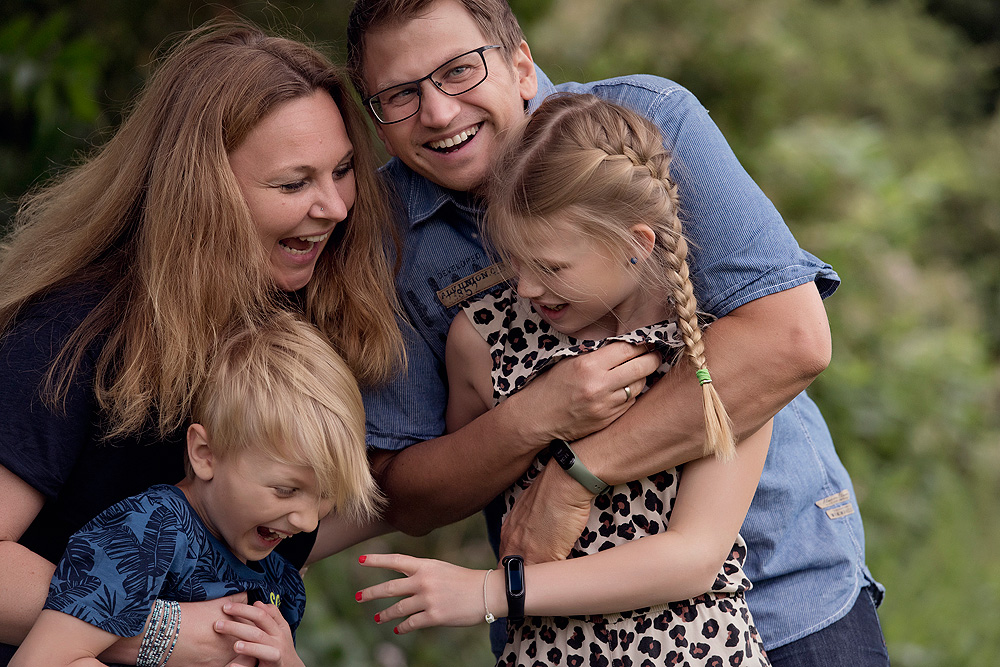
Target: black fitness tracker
x=513, y=576
x=567, y=460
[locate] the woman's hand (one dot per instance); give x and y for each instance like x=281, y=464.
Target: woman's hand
x=261, y=633
x=198, y=645
x=433, y=592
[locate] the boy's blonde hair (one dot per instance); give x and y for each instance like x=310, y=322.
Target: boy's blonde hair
x=605, y=168
x=280, y=387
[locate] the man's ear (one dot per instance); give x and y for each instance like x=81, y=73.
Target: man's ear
x=645, y=240
x=199, y=451
x=524, y=69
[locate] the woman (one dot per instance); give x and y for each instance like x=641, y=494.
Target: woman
x=243, y=179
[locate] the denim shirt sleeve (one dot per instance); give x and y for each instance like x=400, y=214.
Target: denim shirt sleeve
x=740, y=248
x=410, y=408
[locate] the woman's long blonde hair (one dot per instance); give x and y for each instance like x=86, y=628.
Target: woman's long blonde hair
x=605, y=168
x=156, y=218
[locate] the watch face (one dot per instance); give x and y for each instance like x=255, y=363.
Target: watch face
x=514, y=568
x=562, y=454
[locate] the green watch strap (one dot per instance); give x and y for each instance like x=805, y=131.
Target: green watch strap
x=571, y=463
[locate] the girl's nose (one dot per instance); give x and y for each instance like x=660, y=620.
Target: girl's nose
x=528, y=286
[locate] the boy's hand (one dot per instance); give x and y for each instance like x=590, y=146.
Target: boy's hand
x=261, y=634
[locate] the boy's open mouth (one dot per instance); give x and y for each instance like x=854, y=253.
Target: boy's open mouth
x=269, y=535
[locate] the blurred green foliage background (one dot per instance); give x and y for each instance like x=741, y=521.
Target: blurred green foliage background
x=872, y=124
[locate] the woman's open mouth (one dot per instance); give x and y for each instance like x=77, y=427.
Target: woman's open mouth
x=301, y=245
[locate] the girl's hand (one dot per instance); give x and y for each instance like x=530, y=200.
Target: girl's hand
x=261, y=633
x=433, y=592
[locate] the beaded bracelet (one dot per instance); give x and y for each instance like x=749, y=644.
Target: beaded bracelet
x=161, y=634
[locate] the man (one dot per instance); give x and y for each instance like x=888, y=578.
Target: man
x=813, y=598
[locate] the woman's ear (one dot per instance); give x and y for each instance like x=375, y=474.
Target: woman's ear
x=645, y=240
x=199, y=451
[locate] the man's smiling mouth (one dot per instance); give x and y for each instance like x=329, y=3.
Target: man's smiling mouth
x=454, y=143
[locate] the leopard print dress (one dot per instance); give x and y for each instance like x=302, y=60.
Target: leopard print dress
x=713, y=629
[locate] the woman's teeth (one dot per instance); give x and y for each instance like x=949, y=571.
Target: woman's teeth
x=450, y=142
x=310, y=242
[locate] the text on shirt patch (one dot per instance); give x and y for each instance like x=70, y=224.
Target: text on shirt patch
x=835, y=499
x=458, y=266
x=843, y=510
x=470, y=286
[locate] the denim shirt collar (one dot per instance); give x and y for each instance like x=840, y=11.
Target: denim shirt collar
x=424, y=198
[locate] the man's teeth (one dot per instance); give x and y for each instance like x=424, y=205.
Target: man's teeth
x=454, y=141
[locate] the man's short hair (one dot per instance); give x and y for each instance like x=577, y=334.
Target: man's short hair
x=494, y=18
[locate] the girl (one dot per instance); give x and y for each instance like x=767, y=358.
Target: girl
x=583, y=210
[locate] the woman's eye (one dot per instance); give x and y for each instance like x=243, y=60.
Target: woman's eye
x=284, y=492
x=343, y=170
x=292, y=187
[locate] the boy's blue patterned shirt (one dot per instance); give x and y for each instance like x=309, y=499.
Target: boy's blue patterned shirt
x=153, y=545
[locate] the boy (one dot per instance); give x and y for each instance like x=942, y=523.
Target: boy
x=276, y=444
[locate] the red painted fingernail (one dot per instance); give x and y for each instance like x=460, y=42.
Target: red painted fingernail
x=362, y=559
x=357, y=596
x=376, y=618
x=395, y=630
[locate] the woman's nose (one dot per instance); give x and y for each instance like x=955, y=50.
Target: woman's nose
x=329, y=204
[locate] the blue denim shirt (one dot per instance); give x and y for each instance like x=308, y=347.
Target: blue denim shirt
x=803, y=530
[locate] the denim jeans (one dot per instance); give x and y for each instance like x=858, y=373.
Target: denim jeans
x=854, y=641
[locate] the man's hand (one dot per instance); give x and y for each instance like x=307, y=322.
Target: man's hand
x=584, y=394
x=547, y=518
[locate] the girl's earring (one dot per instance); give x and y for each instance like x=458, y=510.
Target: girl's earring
x=634, y=260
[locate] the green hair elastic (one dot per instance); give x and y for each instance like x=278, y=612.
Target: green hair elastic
x=703, y=376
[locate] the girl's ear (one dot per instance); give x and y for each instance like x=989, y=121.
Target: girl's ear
x=645, y=239
x=199, y=451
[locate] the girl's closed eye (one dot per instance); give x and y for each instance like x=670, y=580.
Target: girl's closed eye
x=284, y=491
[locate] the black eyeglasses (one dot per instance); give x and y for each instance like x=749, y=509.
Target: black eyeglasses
x=459, y=75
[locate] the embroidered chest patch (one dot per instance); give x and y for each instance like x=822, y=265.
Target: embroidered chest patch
x=471, y=285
